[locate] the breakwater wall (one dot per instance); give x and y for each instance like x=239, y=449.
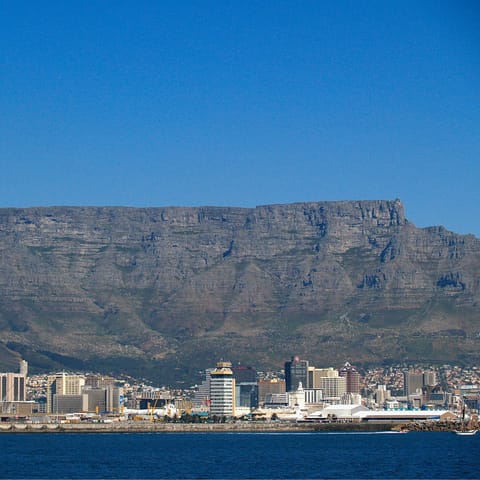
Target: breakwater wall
x=160, y=427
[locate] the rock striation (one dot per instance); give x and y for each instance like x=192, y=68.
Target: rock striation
x=165, y=292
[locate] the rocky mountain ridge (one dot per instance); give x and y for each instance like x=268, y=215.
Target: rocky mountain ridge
x=167, y=291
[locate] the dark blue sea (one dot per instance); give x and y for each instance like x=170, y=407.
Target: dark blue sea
x=239, y=455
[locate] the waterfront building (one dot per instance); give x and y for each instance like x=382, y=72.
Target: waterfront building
x=97, y=399
x=101, y=400
x=115, y=399
x=201, y=397
x=62, y=404
x=63, y=384
x=270, y=386
x=12, y=387
x=222, y=390
x=296, y=372
x=360, y=413
x=352, y=378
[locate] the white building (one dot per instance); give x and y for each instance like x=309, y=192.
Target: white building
x=222, y=390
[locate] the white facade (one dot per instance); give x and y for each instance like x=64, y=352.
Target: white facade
x=222, y=390
x=12, y=387
x=333, y=387
x=297, y=398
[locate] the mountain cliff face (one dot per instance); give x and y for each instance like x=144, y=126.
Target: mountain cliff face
x=165, y=292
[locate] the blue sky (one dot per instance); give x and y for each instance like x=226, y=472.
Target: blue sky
x=242, y=103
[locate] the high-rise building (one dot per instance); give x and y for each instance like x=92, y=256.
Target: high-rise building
x=352, y=378
x=222, y=390
x=429, y=378
x=296, y=372
x=412, y=382
x=201, y=398
x=382, y=394
x=246, y=388
x=12, y=387
x=333, y=387
x=62, y=384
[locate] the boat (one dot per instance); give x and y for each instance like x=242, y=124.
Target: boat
x=465, y=432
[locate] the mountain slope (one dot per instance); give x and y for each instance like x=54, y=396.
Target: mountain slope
x=165, y=292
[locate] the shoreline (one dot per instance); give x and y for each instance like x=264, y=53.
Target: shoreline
x=160, y=427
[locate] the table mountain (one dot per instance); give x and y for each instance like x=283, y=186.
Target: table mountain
x=165, y=292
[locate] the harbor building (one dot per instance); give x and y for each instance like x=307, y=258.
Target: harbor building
x=222, y=390
x=12, y=387
x=63, y=384
x=296, y=372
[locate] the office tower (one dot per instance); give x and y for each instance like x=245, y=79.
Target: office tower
x=352, y=378
x=246, y=389
x=296, y=372
x=222, y=390
x=412, y=382
x=270, y=387
x=115, y=399
x=429, y=378
x=381, y=394
x=62, y=384
x=12, y=387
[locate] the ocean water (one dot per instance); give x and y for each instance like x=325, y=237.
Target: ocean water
x=240, y=455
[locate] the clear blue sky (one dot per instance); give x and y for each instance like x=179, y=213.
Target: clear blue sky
x=242, y=103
